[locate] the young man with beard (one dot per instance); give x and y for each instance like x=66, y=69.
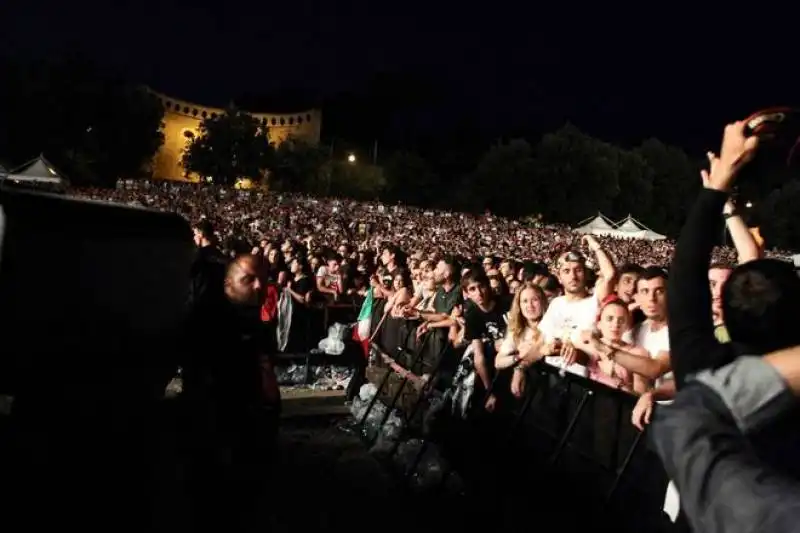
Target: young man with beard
x=569, y=315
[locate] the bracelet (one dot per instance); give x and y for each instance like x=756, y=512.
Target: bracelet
x=732, y=214
x=519, y=368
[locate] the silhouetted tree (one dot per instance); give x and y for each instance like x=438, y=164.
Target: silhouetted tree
x=230, y=146
x=298, y=166
x=409, y=179
x=780, y=224
x=91, y=125
x=576, y=175
x=635, y=195
x=676, y=182
x=502, y=181
x=353, y=180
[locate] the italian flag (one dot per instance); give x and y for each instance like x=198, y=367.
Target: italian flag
x=361, y=331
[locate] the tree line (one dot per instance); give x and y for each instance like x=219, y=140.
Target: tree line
x=99, y=128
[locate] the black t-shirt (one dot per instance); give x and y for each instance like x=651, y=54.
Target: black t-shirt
x=302, y=286
x=488, y=326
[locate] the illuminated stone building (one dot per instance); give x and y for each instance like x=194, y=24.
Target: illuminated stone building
x=182, y=121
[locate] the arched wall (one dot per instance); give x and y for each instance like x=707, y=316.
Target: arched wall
x=181, y=116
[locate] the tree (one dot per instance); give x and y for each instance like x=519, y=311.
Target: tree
x=781, y=227
x=635, y=196
x=409, y=179
x=575, y=175
x=298, y=166
x=502, y=181
x=230, y=146
x=676, y=182
x=354, y=180
x=124, y=135
x=93, y=126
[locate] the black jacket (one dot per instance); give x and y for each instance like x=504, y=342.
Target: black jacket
x=730, y=439
x=693, y=346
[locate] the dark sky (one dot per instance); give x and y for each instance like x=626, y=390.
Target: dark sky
x=416, y=72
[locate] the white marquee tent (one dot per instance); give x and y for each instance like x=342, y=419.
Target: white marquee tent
x=628, y=228
x=37, y=170
x=633, y=229
x=598, y=225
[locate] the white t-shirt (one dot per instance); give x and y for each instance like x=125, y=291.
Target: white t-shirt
x=566, y=319
x=654, y=342
x=329, y=280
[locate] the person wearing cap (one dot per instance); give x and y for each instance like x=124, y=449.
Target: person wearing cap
x=576, y=310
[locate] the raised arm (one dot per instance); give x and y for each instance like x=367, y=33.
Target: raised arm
x=608, y=272
x=746, y=247
x=693, y=346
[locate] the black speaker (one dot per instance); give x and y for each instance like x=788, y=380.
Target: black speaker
x=93, y=298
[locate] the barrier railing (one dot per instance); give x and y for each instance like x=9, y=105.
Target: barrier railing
x=568, y=425
x=310, y=325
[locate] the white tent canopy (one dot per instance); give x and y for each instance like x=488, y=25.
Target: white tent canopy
x=633, y=229
x=598, y=225
x=37, y=170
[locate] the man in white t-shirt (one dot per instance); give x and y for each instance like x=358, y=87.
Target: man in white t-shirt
x=652, y=334
x=576, y=311
x=329, y=277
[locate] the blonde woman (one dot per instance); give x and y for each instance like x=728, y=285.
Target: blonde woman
x=523, y=344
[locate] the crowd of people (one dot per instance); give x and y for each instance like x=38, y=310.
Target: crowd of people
x=633, y=315
x=244, y=219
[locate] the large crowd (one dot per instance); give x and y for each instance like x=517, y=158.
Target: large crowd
x=244, y=219
x=506, y=294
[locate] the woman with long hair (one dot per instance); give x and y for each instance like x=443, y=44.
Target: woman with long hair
x=523, y=343
x=403, y=292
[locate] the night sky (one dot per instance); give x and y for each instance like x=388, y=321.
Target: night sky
x=416, y=73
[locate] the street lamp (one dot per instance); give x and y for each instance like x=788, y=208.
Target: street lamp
x=351, y=158
x=748, y=205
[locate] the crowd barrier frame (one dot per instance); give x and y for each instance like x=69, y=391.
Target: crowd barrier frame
x=579, y=403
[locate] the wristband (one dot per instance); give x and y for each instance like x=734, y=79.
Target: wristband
x=732, y=214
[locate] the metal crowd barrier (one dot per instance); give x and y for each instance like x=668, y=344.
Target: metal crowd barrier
x=309, y=326
x=565, y=424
